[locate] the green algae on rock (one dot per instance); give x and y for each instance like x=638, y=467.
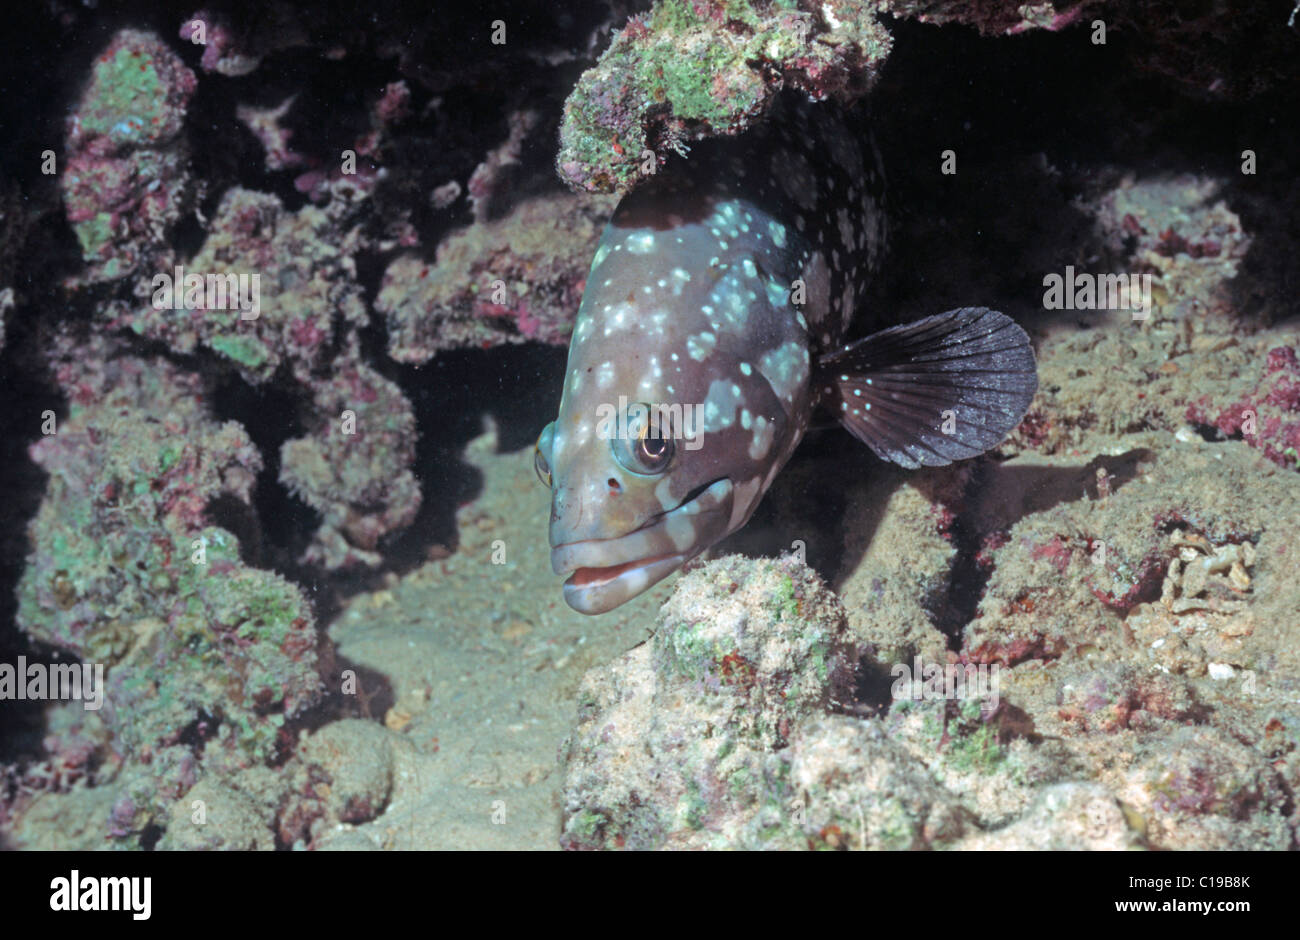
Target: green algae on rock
x=748, y=649
x=127, y=178
x=689, y=70
x=127, y=569
x=308, y=293
x=509, y=280
x=354, y=464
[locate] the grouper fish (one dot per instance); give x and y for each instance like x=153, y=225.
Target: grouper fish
x=712, y=331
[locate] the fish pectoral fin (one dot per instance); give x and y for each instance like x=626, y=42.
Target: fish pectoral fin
x=936, y=390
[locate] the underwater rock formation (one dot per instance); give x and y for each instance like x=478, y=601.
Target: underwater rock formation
x=1266, y=416
x=691, y=69
x=127, y=178
x=516, y=279
x=354, y=467
x=205, y=657
x=306, y=284
x=688, y=70
x=1128, y=621
x=1124, y=560
x=716, y=733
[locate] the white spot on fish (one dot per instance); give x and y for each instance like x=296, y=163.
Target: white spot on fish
x=776, y=294
x=796, y=178
x=619, y=320
x=786, y=368
x=761, y=443
x=845, y=225
x=640, y=243
x=700, y=345
x=664, y=493
x=720, y=405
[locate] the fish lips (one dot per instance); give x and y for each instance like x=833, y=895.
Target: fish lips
x=604, y=573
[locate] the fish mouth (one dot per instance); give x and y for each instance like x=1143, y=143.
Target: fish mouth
x=604, y=573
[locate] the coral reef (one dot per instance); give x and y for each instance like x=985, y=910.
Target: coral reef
x=341, y=774
x=354, y=466
x=235, y=50
x=992, y=18
x=757, y=652
x=213, y=816
x=306, y=277
x=689, y=69
x=140, y=552
x=206, y=657
x=903, y=541
x=306, y=320
x=512, y=280
x=127, y=176
x=1268, y=415
x=1090, y=738
x=1120, y=566
x=1199, y=49
x=1065, y=817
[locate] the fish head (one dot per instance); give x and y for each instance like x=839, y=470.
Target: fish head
x=680, y=404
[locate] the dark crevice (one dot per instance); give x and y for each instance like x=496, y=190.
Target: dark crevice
x=873, y=690
x=231, y=513
x=199, y=731
x=151, y=836
x=976, y=527
x=187, y=236
x=1212, y=435
x=452, y=396
x=27, y=395
x=968, y=577
x=271, y=416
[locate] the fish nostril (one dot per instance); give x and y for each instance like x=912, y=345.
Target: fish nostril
x=615, y=487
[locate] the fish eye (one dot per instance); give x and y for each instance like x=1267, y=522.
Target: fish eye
x=654, y=451
x=645, y=450
x=540, y=464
